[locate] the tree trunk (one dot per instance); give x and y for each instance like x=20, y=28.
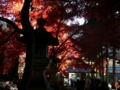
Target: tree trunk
x=107, y=63
x=29, y=36
x=103, y=78
x=102, y=72
x=114, y=64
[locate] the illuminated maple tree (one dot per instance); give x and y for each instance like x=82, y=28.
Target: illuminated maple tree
x=102, y=30
x=57, y=13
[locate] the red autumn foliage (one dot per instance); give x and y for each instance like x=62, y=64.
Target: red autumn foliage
x=92, y=36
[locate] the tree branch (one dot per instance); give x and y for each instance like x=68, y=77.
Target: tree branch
x=64, y=42
x=8, y=38
x=12, y=24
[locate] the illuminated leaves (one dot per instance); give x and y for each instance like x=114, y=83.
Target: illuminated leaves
x=57, y=14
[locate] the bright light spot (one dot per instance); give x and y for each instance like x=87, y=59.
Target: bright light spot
x=117, y=12
x=97, y=4
x=68, y=10
x=76, y=20
x=74, y=68
x=65, y=36
x=21, y=35
x=83, y=57
x=110, y=86
x=76, y=36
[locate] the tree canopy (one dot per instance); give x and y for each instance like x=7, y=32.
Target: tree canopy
x=101, y=27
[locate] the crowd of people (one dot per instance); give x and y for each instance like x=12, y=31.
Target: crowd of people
x=89, y=84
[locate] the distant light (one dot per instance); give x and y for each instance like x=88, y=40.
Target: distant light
x=9, y=18
x=76, y=20
x=97, y=3
x=83, y=57
x=34, y=27
x=68, y=61
x=108, y=58
x=97, y=56
x=117, y=12
x=21, y=35
x=58, y=73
